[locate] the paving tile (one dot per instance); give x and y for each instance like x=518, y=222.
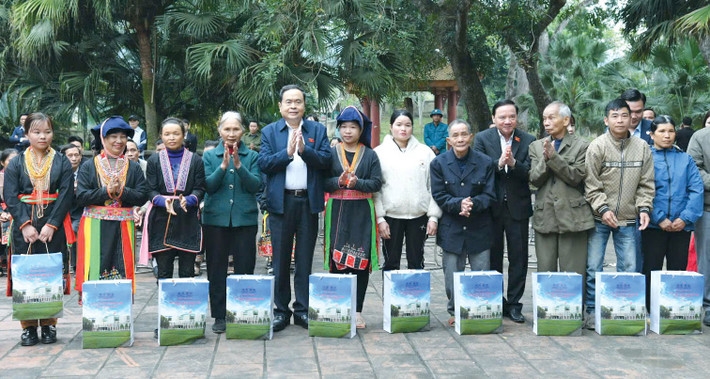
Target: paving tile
x=290, y=366
x=249, y=370
x=334, y=355
x=448, y=367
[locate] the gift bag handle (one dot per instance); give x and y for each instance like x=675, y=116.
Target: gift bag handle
x=29, y=247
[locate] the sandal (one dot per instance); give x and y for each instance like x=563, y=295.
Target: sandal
x=452, y=321
x=360, y=322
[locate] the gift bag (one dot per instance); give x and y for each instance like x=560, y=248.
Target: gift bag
x=620, y=303
x=250, y=307
x=331, y=305
x=182, y=310
x=676, y=302
x=106, y=313
x=557, y=303
x=37, y=286
x=406, y=298
x=264, y=245
x=478, y=302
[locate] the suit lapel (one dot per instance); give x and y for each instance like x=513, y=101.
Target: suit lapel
x=495, y=140
x=515, y=143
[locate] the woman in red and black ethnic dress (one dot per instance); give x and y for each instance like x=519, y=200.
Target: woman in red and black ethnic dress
x=176, y=181
x=108, y=187
x=350, y=227
x=38, y=193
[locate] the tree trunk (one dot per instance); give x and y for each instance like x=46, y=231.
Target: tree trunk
x=704, y=45
x=454, y=15
x=147, y=80
x=463, y=66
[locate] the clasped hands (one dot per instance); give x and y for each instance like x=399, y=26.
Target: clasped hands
x=169, y=204
x=347, y=180
x=506, y=159
x=609, y=218
x=466, y=207
x=676, y=226
x=548, y=150
x=295, y=143
x=234, y=155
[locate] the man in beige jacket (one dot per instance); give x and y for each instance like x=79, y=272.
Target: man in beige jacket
x=561, y=215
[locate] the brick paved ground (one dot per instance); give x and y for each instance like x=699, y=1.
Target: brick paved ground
x=440, y=352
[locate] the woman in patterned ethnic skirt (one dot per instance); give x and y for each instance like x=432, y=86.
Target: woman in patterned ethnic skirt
x=350, y=227
x=108, y=187
x=38, y=192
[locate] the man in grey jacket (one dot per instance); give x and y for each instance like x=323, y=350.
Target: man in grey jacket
x=619, y=187
x=699, y=149
x=561, y=215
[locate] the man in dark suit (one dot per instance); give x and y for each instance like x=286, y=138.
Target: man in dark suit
x=508, y=148
x=682, y=136
x=640, y=127
x=463, y=185
x=294, y=152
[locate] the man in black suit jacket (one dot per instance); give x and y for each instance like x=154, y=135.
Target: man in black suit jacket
x=640, y=127
x=508, y=148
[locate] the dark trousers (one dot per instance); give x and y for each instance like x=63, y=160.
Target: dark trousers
x=220, y=243
x=297, y=221
x=363, y=279
x=415, y=231
x=166, y=263
x=657, y=244
x=516, y=234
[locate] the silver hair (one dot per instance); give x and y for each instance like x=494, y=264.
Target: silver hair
x=231, y=115
x=563, y=109
x=459, y=121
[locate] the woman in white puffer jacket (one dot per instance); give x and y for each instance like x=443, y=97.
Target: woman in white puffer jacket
x=404, y=206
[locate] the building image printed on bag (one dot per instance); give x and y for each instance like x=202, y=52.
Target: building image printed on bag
x=40, y=294
x=250, y=304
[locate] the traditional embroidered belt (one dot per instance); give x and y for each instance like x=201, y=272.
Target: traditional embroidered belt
x=350, y=195
x=48, y=198
x=34, y=198
x=108, y=213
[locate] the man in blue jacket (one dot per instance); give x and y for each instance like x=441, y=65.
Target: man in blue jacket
x=435, y=132
x=294, y=153
x=18, y=135
x=463, y=185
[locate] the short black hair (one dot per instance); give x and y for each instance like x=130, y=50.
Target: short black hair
x=71, y=139
x=501, y=103
x=687, y=121
x=6, y=153
x=63, y=149
x=289, y=87
x=133, y=118
x=632, y=94
x=615, y=105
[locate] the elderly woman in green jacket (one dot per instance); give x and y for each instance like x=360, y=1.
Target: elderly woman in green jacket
x=230, y=214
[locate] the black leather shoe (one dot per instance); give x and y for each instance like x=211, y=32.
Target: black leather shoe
x=706, y=319
x=29, y=336
x=280, y=323
x=517, y=316
x=301, y=320
x=219, y=326
x=49, y=334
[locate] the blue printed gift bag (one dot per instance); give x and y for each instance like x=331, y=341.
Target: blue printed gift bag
x=37, y=286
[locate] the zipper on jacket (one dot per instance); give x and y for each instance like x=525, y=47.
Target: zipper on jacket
x=670, y=189
x=621, y=177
